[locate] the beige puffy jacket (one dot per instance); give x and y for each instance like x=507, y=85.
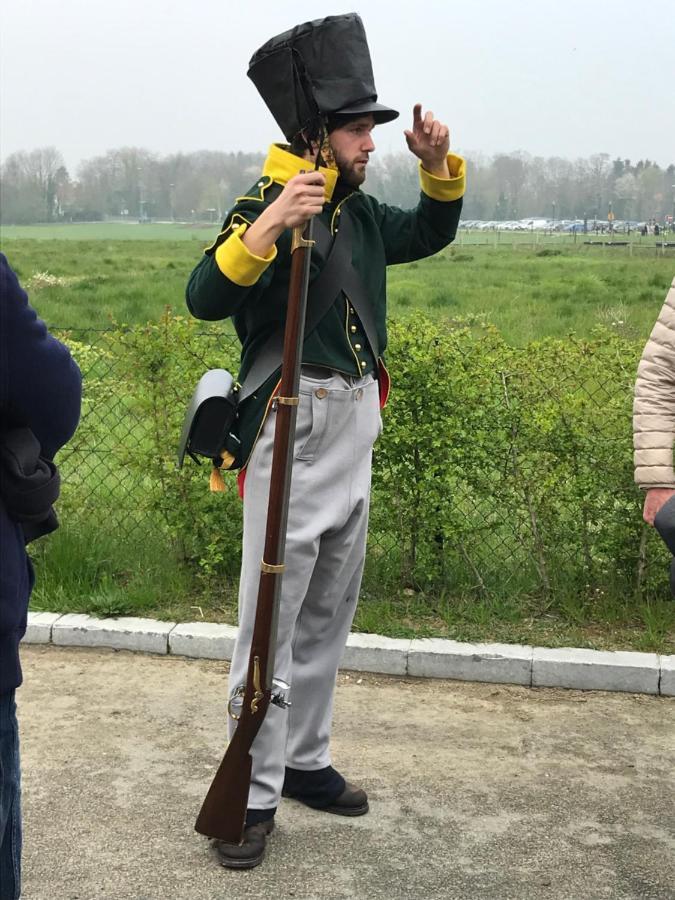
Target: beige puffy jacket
x=654, y=404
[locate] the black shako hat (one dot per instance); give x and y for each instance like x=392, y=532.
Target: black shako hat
x=317, y=69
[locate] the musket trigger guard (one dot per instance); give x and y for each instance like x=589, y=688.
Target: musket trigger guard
x=237, y=694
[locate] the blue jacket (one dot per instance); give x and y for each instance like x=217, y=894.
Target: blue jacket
x=41, y=387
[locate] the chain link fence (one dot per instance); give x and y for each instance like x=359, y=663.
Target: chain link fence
x=500, y=471
x=110, y=468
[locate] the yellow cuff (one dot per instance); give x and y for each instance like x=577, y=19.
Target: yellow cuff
x=236, y=261
x=445, y=189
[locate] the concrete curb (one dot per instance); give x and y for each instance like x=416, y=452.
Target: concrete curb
x=126, y=633
x=597, y=670
x=567, y=667
x=202, y=640
x=500, y=663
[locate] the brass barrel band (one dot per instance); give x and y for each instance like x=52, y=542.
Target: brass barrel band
x=287, y=401
x=272, y=570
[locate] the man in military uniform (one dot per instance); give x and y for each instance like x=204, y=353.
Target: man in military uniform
x=344, y=383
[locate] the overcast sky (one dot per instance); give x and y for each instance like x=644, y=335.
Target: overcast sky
x=568, y=79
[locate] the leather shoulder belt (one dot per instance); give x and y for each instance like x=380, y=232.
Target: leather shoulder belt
x=336, y=275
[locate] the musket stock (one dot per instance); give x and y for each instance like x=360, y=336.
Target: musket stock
x=223, y=812
x=224, y=808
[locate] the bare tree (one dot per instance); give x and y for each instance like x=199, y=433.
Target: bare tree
x=32, y=181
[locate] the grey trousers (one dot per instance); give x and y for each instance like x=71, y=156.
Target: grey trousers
x=337, y=425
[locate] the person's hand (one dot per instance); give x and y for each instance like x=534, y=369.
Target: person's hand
x=654, y=500
x=429, y=140
x=302, y=197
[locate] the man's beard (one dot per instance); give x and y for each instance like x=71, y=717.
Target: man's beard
x=353, y=176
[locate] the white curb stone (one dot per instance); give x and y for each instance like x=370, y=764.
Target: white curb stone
x=144, y=635
x=596, y=670
x=570, y=667
x=203, y=640
x=39, y=627
x=499, y=663
x=375, y=653
x=668, y=676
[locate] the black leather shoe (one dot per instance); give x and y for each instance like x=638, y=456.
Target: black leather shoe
x=250, y=852
x=352, y=801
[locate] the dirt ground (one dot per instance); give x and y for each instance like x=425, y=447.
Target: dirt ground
x=477, y=791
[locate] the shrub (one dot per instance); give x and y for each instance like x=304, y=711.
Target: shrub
x=509, y=471
x=500, y=471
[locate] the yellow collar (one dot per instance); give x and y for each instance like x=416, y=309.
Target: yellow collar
x=281, y=166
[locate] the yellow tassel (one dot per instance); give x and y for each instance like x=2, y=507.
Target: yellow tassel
x=227, y=459
x=216, y=483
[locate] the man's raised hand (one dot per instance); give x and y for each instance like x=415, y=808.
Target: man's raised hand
x=429, y=140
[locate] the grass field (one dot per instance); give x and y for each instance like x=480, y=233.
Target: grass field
x=110, y=231
x=187, y=231
x=527, y=291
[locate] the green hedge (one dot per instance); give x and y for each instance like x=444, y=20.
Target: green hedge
x=510, y=471
x=501, y=472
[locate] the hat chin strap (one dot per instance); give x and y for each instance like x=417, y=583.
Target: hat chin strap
x=325, y=155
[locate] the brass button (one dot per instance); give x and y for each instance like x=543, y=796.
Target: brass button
x=359, y=393
x=363, y=363
x=353, y=329
x=321, y=393
x=357, y=346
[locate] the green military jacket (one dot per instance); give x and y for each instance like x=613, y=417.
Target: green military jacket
x=231, y=281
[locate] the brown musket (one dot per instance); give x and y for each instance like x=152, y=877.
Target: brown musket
x=223, y=812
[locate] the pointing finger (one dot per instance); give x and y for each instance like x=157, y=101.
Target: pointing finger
x=417, y=115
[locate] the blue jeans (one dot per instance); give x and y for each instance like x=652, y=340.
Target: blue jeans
x=10, y=800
